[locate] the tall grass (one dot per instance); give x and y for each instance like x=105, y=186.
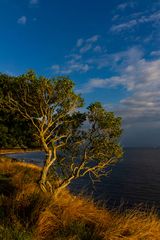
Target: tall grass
x=26, y=213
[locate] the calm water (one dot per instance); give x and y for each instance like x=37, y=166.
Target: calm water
x=136, y=179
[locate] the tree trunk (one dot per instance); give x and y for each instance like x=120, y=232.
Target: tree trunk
x=43, y=179
x=63, y=185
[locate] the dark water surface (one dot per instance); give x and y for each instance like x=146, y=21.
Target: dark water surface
x=134, y=180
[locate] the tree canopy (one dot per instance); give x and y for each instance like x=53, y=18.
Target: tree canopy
x=76, y=143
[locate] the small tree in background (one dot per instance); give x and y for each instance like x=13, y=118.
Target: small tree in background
x=75, y=143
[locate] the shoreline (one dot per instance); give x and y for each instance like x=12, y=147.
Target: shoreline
x=4, y=151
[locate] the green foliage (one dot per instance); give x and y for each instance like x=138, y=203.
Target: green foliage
x=79, y=231
x=15, y=131
x=12, y=233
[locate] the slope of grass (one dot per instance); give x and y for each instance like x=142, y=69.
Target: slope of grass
x=26, y=213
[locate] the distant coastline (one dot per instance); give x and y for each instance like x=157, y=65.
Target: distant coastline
x=4, y=151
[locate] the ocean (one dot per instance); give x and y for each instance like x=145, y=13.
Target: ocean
x=135, y=180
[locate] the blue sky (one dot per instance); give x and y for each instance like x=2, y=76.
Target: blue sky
x=111, y=49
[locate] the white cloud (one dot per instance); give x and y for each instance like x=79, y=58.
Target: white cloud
x=79, y=42
x=74, y=56
x=71, y=67
x=123, y=26
x=139, y=19
x=93, y=39
x=116, y=60
x=123, y=6
x=56, y=68
x=75, y=61
x=151, y=18
x=142, y=75
x=97, y=49
x=87, y=44
x=86, y=48
x=34, y=2
x=155, y=53
x=115, y=17
x=22, y=20
x=96, y=83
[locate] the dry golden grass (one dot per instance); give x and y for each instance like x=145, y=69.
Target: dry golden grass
x=9, y=167
x=78, y=207
x=48, y=224
x=134, y=225
x=67, y=216
x=68, y=209
x=28, y=165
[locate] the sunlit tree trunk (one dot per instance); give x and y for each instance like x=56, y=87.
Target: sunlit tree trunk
x=45, y=169
x=47, y=164
x=63, y=185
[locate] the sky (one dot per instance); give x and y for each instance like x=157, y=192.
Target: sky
x=110, y=49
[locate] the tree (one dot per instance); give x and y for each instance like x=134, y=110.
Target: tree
x=75, y=143
x=15, y=130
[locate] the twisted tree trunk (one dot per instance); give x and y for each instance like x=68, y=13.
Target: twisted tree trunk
x=45, y=169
